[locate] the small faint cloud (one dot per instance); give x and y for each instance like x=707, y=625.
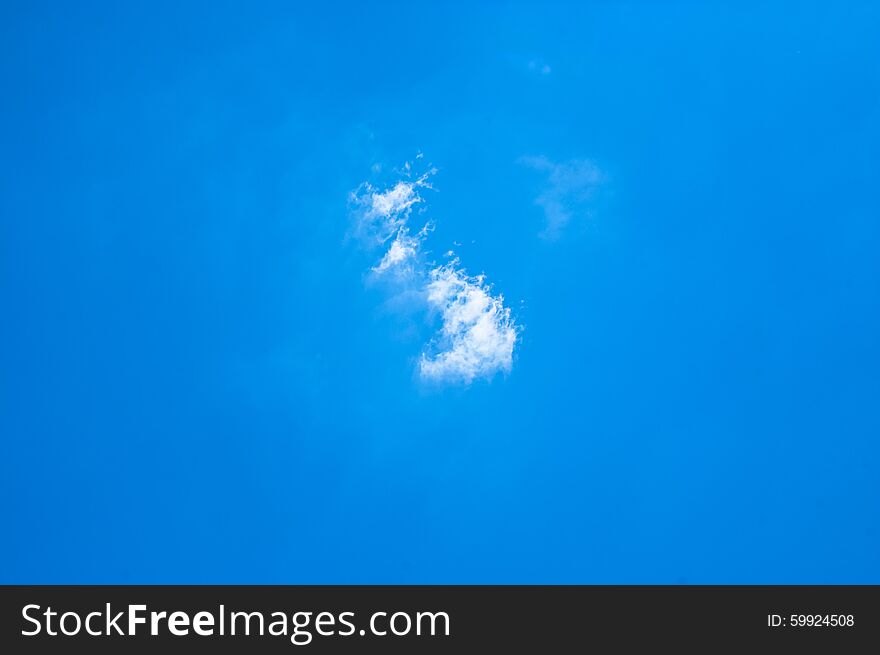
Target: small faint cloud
x=539, y=67
x=570, y=185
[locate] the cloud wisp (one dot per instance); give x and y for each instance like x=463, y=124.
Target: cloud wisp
x=570, y=185
x=477, y=334
x=402, y=259
x=382, y=214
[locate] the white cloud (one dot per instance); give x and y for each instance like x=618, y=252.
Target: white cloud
x=569, y=186
x=478, y=334
x=379, y=215
x=402, y=251
x=403, y=256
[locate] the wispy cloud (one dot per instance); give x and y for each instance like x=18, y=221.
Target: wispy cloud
x=381, y=214
x=570, y=185
x=477, y=334
x=403, y=257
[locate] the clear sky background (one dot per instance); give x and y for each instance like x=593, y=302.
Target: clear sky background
x=199, y=383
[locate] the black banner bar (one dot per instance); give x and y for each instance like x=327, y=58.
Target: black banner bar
x=426, y=619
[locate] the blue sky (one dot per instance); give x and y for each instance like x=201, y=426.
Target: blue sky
x=201, y=380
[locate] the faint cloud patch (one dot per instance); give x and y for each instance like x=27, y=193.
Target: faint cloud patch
x=570, y=186
x=539, y=67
